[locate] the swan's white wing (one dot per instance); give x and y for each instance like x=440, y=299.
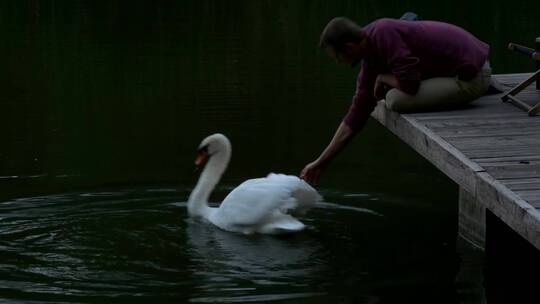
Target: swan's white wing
x=255, y=201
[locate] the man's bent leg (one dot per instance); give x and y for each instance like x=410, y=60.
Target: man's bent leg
x=439, y=93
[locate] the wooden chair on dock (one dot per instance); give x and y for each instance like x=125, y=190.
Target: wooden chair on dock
x=511, y=95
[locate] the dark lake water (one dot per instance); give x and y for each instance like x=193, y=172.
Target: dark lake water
x=102, y=104
x=138, y=245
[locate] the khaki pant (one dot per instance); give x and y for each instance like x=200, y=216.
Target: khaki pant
x=440, y=93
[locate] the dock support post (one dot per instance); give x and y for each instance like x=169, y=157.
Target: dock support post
x=471, y=219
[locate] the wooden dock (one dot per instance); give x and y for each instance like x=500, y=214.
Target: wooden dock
x=490, y=149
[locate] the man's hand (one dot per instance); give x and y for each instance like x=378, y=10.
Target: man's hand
x=383, y=84
x=380, y=89
x=311, y=172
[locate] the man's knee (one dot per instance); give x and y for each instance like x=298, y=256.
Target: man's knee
x=397, y=100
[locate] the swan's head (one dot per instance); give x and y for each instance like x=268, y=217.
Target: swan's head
x=214, y=144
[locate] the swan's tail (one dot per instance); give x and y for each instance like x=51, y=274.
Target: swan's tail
x=282, y=223
x=305, y=195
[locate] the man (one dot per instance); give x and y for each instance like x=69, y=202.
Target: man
x=413, y=65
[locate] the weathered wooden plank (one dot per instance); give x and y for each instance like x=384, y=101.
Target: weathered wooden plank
x=524, y=151
x=515, y=181
x=493, y=101
x=511, y=80
x=518, y=77
x=513, y=171
x=487, y=106
x=507, y=159
x=475, y=114
x=501, y=142
x=483, y=131
x=481, y=151
x=473, y=122
x=480, y=121
x=495, y=148
x=523, y=186
x=531, y=183
x=513, y=75
x=479, y=107
x=431, y=146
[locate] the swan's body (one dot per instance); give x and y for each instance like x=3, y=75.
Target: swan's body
x=261, y=205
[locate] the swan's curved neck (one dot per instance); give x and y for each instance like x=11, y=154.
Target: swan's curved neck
x=198, y=200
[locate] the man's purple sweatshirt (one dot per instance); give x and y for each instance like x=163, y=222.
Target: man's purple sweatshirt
x=413, y=51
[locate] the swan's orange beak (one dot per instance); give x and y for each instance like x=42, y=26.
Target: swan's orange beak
x=202, y=157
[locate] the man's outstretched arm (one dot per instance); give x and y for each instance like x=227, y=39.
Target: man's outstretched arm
x=362, y=104
x=313, y=170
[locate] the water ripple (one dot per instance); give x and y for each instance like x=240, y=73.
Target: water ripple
x=139, y=243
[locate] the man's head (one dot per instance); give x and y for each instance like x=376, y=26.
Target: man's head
x=344, y=40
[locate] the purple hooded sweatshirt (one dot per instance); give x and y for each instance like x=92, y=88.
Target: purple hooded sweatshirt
x=413, y=51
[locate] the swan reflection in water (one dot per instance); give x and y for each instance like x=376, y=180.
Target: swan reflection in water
x=229, y=267
x=258, y=258
x=233, y=268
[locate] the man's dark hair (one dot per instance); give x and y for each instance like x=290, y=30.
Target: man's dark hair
x=339, y=31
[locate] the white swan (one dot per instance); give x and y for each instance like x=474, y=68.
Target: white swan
x=261, y=205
